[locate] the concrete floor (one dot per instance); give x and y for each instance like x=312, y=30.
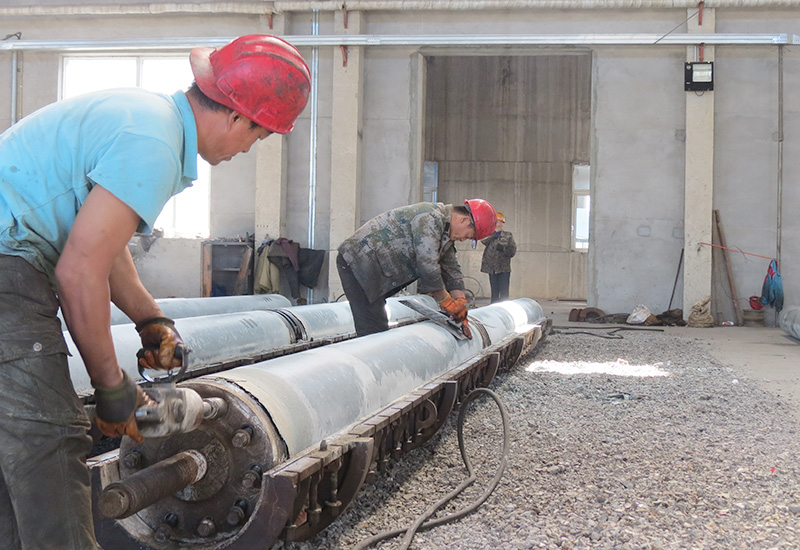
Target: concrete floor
x=765, y=354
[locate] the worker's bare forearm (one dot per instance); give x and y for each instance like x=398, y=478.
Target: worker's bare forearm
x=96, y=242
x=127, y=291
x=84, y=302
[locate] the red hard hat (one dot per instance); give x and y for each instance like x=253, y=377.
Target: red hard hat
x=260, y=76
x=484, y=217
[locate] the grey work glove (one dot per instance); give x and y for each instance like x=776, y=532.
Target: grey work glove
x=116, y=406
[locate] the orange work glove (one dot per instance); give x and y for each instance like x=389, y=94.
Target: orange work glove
x=465, y=329
x=116, y=407
x=159, y=332
x=456, y=309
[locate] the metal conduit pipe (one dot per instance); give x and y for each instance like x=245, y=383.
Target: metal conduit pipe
x=313, y=101
x=789, y=321
x=134, y=8
x=779, y=200
x=264, y=8
x=14, y=81
x=372, y=40
x=466, y=5
x=283, y=412
x=231, y=338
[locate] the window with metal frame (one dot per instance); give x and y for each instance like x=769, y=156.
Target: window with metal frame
x=581, y=207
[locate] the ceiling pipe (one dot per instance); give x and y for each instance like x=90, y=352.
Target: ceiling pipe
x=626, y=39
x=264, y=8
x=242, y=8
x=467, y=5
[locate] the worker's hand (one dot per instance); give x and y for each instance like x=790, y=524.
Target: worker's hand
x=116, y=407
x=159, y=332
x=456, y=309
x=465, y=328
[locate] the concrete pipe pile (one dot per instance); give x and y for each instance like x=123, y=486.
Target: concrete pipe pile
x=232, y=339
x=335, y=319
x=178, y=308
x=300, y=434
x=789, y=321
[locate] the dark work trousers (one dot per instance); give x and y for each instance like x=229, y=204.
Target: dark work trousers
x=499, y=283
x=45, y=498
x=368, y=317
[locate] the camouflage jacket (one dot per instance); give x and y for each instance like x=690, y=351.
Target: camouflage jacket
x=500, y=248
x=406, y=244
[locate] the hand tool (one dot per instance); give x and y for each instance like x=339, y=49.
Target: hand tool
x=437, y=317
x=174, y=410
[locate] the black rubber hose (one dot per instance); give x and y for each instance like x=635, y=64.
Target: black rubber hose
x=422, y=523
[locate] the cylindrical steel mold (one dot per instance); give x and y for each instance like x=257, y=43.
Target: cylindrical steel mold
x=510, y=316
x=319, y=392
x=213, y=339
x=399, y=313
x=178, y=308
x=228, y=337
x=278, y=408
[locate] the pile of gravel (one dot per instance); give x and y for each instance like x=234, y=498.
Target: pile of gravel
x=642, y=442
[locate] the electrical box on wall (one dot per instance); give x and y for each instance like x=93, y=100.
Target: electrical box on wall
x=699, y=76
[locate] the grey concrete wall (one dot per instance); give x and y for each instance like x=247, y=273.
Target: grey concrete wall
x=169, y=268
x=637, y=199
x=637, y=152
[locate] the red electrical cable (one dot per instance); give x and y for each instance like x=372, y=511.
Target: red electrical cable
x=739, y=251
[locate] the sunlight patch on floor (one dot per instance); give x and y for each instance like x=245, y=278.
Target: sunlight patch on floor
x=620, y=367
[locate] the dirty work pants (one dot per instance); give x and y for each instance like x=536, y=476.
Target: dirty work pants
x=499, y=283
x=45, y=500
x=368, y=317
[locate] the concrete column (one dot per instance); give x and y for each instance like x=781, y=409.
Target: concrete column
x=346, y=125
x=699, y=182
x=271, y=173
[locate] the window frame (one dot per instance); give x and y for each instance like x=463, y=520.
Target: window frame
x=577, y=194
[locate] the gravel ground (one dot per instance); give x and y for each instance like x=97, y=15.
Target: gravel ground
x=642, y=442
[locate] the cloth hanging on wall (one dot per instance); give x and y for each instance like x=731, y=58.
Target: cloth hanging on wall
x=267, y=277
x=297, y=266
x=772, y=289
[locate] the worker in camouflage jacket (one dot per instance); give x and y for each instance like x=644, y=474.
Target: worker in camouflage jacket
x=500, y=248
x=407, y=244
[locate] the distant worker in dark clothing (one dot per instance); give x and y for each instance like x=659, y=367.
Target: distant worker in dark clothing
x=500, y=248
x=407, y=244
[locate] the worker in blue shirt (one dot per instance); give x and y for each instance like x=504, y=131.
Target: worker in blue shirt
x=77, y=179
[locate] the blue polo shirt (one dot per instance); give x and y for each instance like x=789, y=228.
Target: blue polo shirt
x=140, y=146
